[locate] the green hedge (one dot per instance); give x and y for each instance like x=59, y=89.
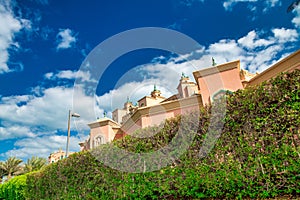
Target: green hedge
x=256, y=156
x=14, y=189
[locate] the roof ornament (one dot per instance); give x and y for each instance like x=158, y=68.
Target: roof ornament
x=213, y=61
x=183, y=75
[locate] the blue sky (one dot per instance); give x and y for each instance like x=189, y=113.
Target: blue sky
x=43, y=43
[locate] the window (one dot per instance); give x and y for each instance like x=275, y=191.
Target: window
x=220, y=93
x=98, y=140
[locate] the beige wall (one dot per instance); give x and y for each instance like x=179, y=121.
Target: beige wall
x=59, y=155
x=287, y=64
x=103, y=127
x=118, y=115
x=154, y=115
x=187, y=89
x=221, y=77
x=149, y=101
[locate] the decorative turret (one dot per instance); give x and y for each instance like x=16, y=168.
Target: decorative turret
x=127, y=104
x=184, y=78
x=155, y=93
x=186, y=88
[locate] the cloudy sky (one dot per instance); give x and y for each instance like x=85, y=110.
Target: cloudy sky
x=44, y=45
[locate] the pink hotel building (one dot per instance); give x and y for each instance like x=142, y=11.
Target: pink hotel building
x=154, y=109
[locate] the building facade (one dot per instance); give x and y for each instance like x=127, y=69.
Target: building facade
x=56, y=156
x=154, y=109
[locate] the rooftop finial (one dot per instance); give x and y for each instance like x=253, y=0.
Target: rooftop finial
x=183, y=75
x=104, y=114
x=213, y=61
x=127, y=99
x=154, y=87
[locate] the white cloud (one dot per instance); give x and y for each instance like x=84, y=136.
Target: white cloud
x=15, y=131
x=296, y=19
x=225, y=48
x=46, y=110
x=49, y=75
x=41, y=146
x=84, y=76
x=252, y=40
x=65, y=39
x=255, y=53
x=10, y=25
x=35, y=120
x=285, y=35
x=50, y=110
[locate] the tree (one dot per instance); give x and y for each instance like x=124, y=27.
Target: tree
x=11, y=166
x=2, y=173
x=34, y=164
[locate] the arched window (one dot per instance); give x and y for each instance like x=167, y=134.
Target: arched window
x=98, y=140
x=220, y=94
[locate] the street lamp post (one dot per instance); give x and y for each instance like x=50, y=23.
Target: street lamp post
x=68, y=138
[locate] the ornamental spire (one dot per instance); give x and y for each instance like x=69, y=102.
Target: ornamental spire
x=213, y=61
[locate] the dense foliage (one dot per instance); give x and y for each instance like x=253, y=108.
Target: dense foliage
x=14, y=189
x=256, y=156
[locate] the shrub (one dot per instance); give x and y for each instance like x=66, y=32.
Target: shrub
x=256, y=156
x=14, y=189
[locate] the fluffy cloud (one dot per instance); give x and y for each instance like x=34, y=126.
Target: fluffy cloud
x=41, y=146
x=255, y=53
x=252, y=40
x=65, y=39
x=70, y=75
x=35, y=119
x=296, y=19
x=10, y=25
x=285, y=35
x=49, y=110
x=15, y=131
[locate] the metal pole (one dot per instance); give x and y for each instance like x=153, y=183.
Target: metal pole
x=68, y=138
